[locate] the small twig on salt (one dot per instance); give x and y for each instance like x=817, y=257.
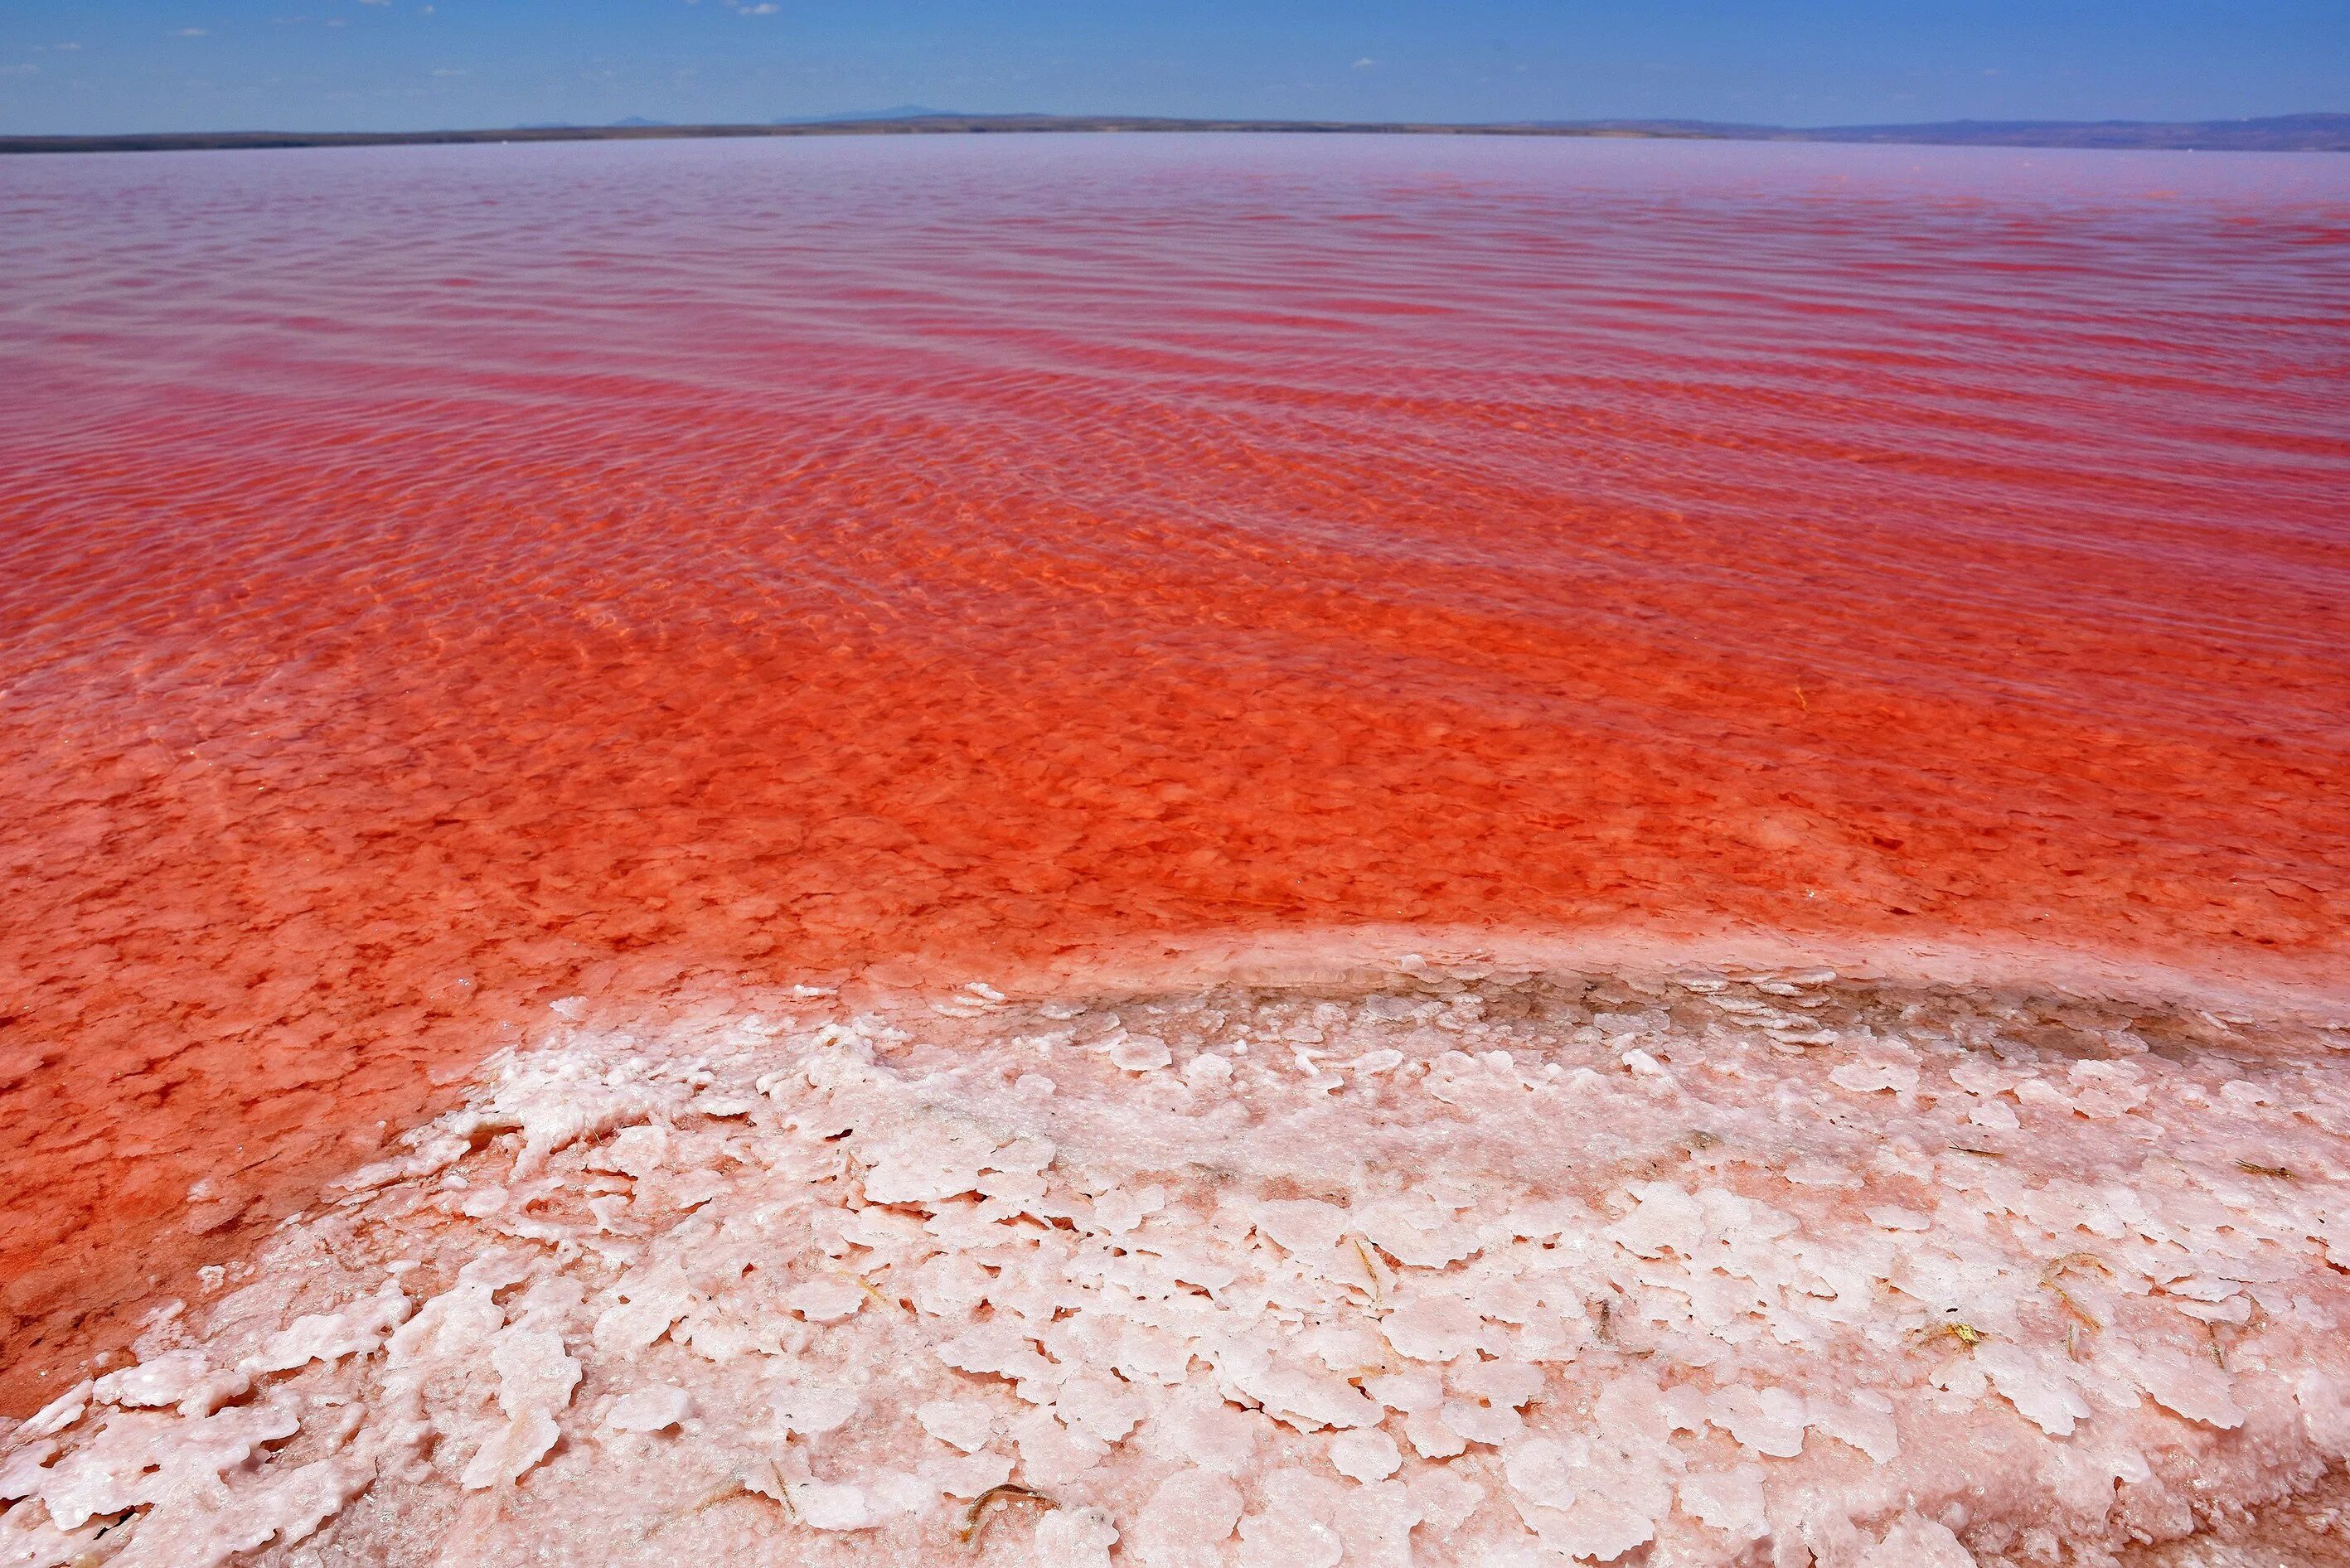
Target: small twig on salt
x=2279, y=1171
x=862, y=1283
x=2056, y=1271
x=731, y=1489
x=1370, y=1271
x=1966, y=1333
x=976, y=1517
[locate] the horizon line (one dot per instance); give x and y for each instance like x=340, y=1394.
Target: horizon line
x=2313, y=130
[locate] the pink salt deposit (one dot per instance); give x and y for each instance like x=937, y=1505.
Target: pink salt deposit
x=1443, y=1264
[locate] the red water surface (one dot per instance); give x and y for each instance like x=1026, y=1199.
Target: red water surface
x=433, y=581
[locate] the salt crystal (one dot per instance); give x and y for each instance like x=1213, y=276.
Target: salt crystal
x=812, y=1409
x=1511, y=1383
x=637, y=1151
x=1287, y=1541
x=1769, y=1421
x=1186, y=1523
x=534, y=1373
x=2189, y=1385
x=1727, y=1501
x=1207, y=1069
x=1415, y=1231
x=965, y=1424
x=967, y=1475
x=1103, y=1408
x=649, y=1410
x=1208, y=1432
x=1541, y=1471
x=1364, y=1456
x=824, y=1301
x=1489, y=1424
x=166, y=1380
x=2034, y=1386
x=512, y=1449
x=1865, y=1423
x=1430, y=1438
x=1073, y=1538
x=1996, y=1115
x=1598, y=1527
x=1140, y=1054
x=829, y=1505
x=1051, y=1453
x=1432, y=1328
x=1867, y=1077
x=330, y=1336
x=1915, y=1542
x=1663, y=1217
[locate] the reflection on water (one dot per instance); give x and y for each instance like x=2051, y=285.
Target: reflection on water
x=435, y=581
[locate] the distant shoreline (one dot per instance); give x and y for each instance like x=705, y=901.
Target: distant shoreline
x=2285, y=134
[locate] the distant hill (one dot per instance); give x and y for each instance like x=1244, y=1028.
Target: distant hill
x=903, y=111
x=2280, y=133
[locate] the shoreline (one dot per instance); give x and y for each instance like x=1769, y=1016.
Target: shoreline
x=2284, y=133
x=1505, y=1144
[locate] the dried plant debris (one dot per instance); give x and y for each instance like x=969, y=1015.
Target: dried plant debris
x=1460, y=1266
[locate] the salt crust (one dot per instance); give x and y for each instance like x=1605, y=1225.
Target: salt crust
x=1478, y=1267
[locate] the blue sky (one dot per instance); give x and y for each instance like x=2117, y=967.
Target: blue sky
x=190, y=65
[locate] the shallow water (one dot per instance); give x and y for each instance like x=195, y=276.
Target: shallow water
x=437, y=581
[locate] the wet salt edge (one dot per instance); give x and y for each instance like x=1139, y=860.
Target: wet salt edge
x=1470, y=1266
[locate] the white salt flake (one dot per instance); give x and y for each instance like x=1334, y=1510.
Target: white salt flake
x=1206, y=1070
x=812, y=1409
x=1769, y=1421
x=2032, y=1384
x=649, y=1410
x=967, y=1475
x=1541, y=1471
x=1287, y=1541
x=2188, y=1386
x=1729, y=1500
x=831, y=1505
x=512, y=1449
x=1664, y=1218
x=1869, y=1077
x=533, y=1372
x=1364, y=1456
x=1073, y=1538
x=965, y=1424
x=1186, y=1522
x=360, y=1329
x=824, y=1301
x=1432, y=1328
x=1996, y=1116
x=1915, y=1542
x=1139, y=1053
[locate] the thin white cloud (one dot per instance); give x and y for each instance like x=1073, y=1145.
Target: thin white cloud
x=193, y=33
x=451, y=71
x=1366, y=63
x=21, y=70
